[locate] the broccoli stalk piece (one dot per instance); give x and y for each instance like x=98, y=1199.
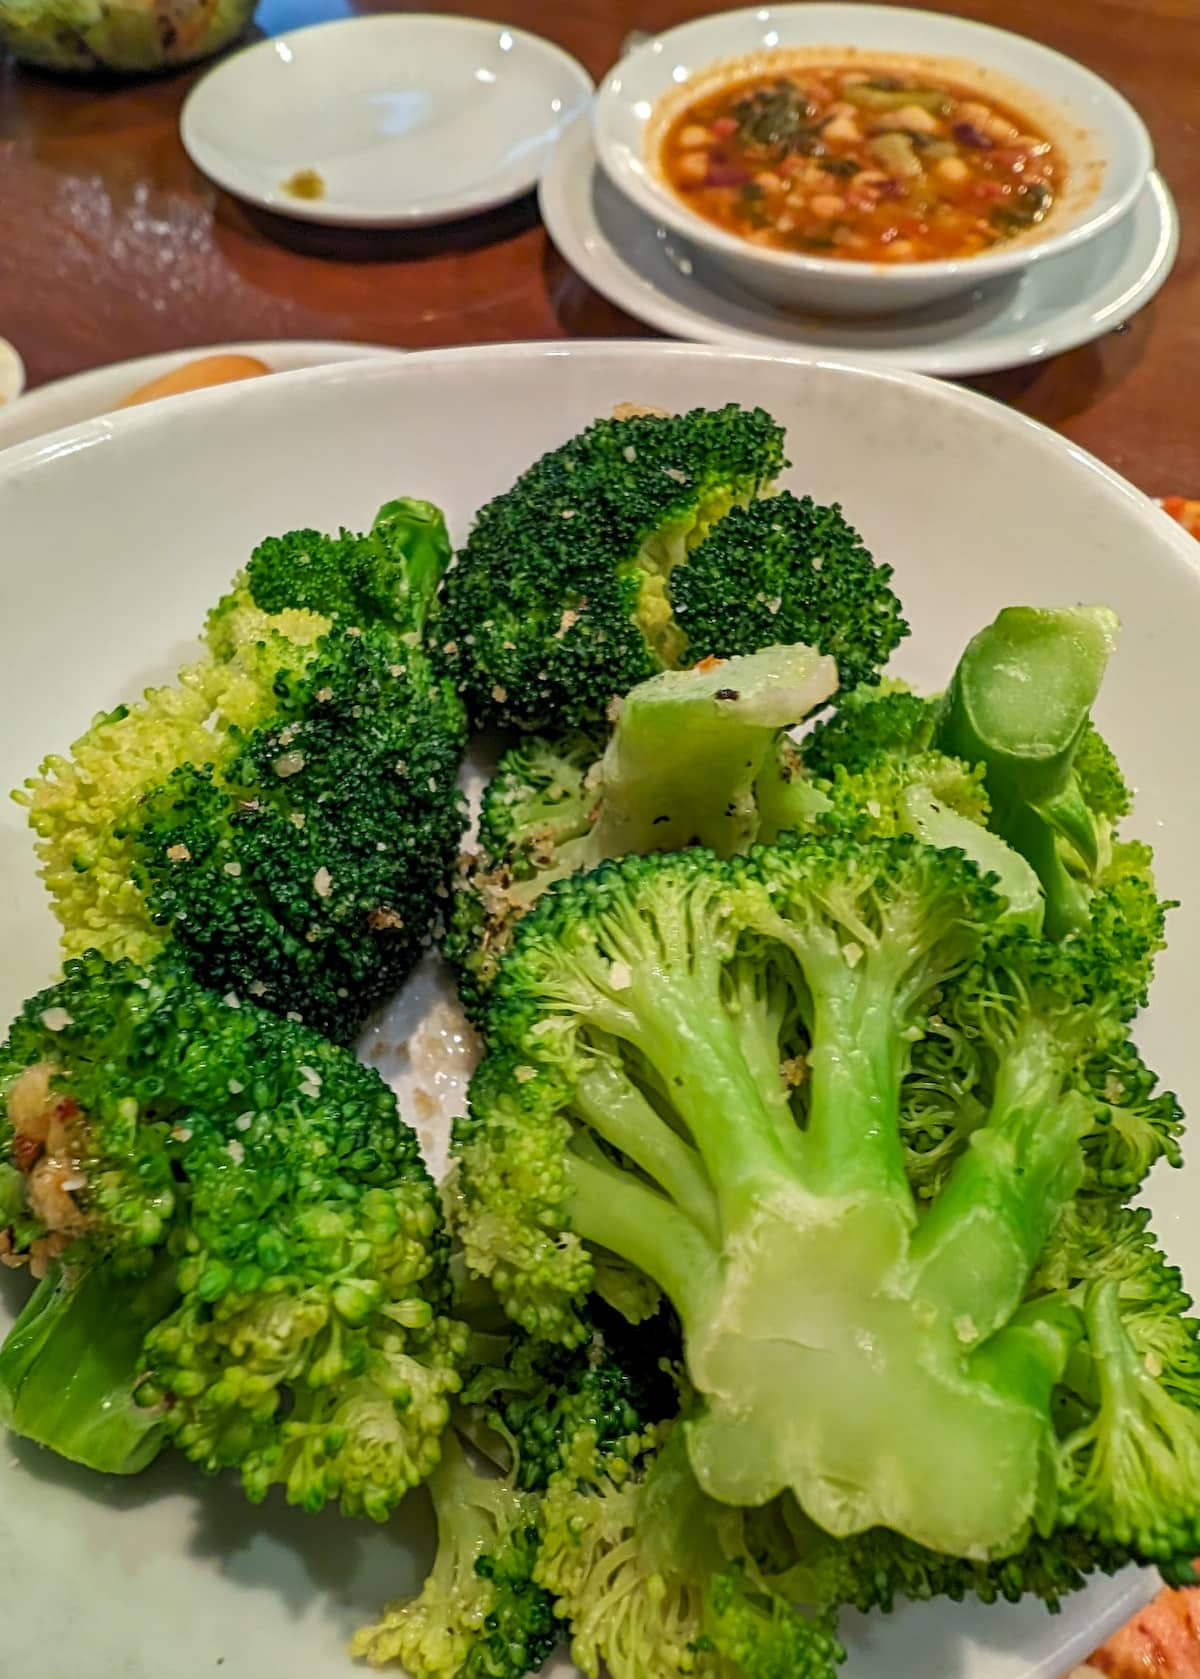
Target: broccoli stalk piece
x=567, y=591
x=286, y=814
x=699, y=1067
x=241, y=1249
x=480, y=1613
x=1019, y=703
x=69, y=1366
x=683, y=766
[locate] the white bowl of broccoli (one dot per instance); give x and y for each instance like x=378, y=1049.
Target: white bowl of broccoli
x=807, y=1058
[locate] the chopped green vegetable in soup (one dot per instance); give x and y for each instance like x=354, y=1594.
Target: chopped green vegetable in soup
x=861, y=165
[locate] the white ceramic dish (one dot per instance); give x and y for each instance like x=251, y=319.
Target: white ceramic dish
x=12, y=375
x=83, y=396
x=119, y=533
x=406, y=119
x=656, y=275
x=1107, y=150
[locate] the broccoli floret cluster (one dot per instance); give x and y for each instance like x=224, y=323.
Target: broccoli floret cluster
x=790, y=1259
x=240, y=1249
x=639, y=546
x=684, y=765
x=488, y=1609
x=699, y=1066
x=286, y=814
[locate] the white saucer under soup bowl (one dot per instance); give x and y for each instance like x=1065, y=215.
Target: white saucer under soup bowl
x=660, y=278
x=391, y=121
x=1101, y=142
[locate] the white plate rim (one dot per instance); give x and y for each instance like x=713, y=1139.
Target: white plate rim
x=300, y=354
x=567, y=179
x=106, y=429
x=327, y=211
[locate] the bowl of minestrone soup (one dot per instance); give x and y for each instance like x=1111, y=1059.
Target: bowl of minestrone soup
x=857, y=159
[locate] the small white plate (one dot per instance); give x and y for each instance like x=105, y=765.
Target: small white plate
x=83, y=396
x=660, y=278
x=12, y=374
x=405, y=119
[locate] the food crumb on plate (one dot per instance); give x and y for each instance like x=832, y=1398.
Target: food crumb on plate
x=305, y=183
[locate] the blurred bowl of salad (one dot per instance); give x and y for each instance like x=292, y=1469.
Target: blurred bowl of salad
x=119, y=36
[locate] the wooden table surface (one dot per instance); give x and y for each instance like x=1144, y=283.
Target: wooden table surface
x=112, y=245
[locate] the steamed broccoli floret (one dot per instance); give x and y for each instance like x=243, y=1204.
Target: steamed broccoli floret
x=868, y=724
x=286, y=815
x=534, y=1398
x=480, y=1613
x=1130, y=1405
x=954, y=1073
x=871, y=770
x=533, y=1408
x=656, y=1580
x=699, y=1067
x=788, y=569
x=1010, y=744
x=242, y=1250
x=683, y=766
x=565, y=593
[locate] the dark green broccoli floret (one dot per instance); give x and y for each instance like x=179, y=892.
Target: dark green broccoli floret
x=699, y=1067
x=536, y=1397
x=242, y=1250
x=287, y=815
x=879, y=1569
x=869, y=723
x=683, y=766
x=480, y=1613
x=563, y=594
x=788, y=569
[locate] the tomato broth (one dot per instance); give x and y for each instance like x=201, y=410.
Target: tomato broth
x=862, y=165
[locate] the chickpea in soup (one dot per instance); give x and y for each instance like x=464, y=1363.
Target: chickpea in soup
x=858, y=164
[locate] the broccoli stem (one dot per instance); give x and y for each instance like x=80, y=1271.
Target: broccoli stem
x=689, y=746
x=416, y=531
x=619, y=1113
x=1019, y=703
x=69, y=1366
x=853, y=1134
x=635, y=1221
x=981, y=1238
